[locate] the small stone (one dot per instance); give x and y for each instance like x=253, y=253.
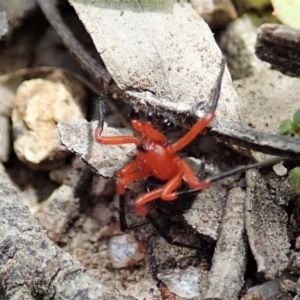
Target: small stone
x=297, y=244
x=265, y=290
x=38, y=106
x=238, y=42
x=204, y=218
x=183, y=283
x=59, y=210
x=124, y=250
x=216, y=13
x=279, y=169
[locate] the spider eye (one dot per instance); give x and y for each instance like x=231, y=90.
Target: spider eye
x=150, y=115
x=167, y=123
x=134, y=113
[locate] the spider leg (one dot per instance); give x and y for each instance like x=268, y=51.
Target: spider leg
x=125, y=171
x=144, y=199
x=154, y=134
x=234, y=171
x=127, y=178
x=115, y=140
x=204, y=122
x=165, y=193
x=191, y=179
x=244, y=168
x=168, y=193
x=123, y=181
x=148, y=130
x=109, y=140
x=122, y=216
x=137, y=126
x=192, y=133
x=129, y=168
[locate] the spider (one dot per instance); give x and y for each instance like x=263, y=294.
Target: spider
x=157, y=159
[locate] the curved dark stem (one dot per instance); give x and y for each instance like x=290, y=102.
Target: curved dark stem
x=101, y=109
x=218, y=85
x=217, y=88
x=86, y=60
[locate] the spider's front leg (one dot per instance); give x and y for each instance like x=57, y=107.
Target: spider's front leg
x=127, y=175
x=110, y=140
x=114, y=140
x=147, y=128
x=191, y=179
x=204, y=122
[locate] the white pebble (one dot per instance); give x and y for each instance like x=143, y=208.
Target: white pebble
x=279, y=169
x=183, y=283
x=125, y=250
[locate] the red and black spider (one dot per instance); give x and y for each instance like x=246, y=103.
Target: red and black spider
x=157, y=158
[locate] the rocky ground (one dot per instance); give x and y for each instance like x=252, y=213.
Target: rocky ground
x=59, y=233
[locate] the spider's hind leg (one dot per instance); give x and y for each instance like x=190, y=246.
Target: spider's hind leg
x=165, y=235
x=122, y=215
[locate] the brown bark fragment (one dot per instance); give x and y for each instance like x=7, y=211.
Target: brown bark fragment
x=229, y=261
x=31, y=266
x=279, y=45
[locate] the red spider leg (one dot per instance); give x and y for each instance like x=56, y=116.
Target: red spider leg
x=191, y=179
x=144, y=199
x=234, y=171
x=148, y=197
x=192, y=133
x=129, y=168
x=204, y=122
x=166, y=193
x=110, y=140
x=123, y=181
x=121, y=191
x=148, y=130
x=115, y=140
x=137, y=126
x=154, y=134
